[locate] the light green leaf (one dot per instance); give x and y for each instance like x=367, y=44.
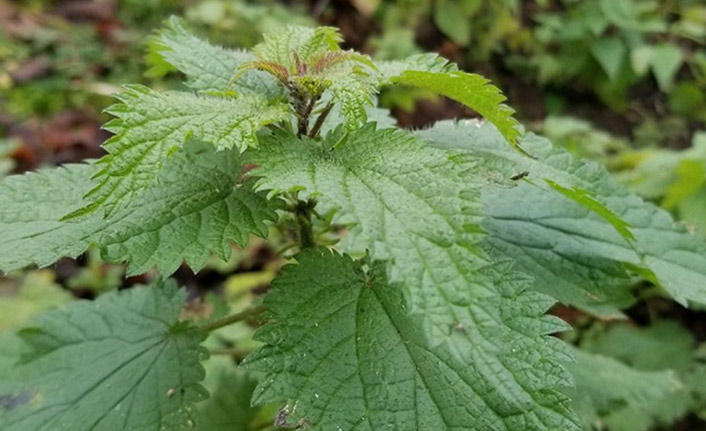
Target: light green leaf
x=620, y=397
x=453, y=21
x=427, y=62
x=584, y=198
x=228, y=408
x=342, y=353
x=121, y=363
x=662, y=345
x=309, y=44
x=666, y=61
x=611, y=53
x=573, y=253
x=196, y=205
x=353, y=90
x=24, y=297
x=471, y=90
x=641, y=58
x=208, y=67
x=416, y=208
x=150, y=126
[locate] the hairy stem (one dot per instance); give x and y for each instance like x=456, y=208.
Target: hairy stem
x=304, y=108
x=320, y=121
x=234, y=318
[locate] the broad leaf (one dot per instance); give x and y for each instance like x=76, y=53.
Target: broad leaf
x=662, y=346
x=151, y=126
x=121, y=363
x=575, y=254
x=415, y=207
x=611, y=53
x=343, y=353
x=668, y=59
x=208, y=68
x=30, y=208
x=196, y=205
x=622, y=398
x=471, y=90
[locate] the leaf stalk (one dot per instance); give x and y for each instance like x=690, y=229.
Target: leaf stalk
x=234, y=318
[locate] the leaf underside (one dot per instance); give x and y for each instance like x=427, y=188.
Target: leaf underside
x=574, y=254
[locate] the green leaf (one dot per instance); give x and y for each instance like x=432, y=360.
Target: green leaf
x=123, y=362
x=25, y=297
x=207, y=67
x=228, y=408
x=353, y=89
x=310, y=63
x=585, y=199
x=452, y=20
x=342, y=352
x=574, y=254
x=30, y=208
x=666, y=61
x=472, y=90
x=309, y=44
x=662, y=345
x=611, y=54
x=416, y=208
x=196, y=205
x=622, y=398
x=150, y=126
x=427, y=62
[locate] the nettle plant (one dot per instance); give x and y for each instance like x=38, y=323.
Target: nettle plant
x=423, y=267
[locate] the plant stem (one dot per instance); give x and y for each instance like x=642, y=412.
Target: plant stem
x=237, y=352
x=306, y=231
x=302, y=212
x=320, y=121
x=234, y=318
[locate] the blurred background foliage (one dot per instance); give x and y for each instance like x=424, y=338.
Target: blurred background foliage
x=622, y=82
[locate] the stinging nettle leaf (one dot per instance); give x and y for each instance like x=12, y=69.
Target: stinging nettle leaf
x=208, y=67
x=342, y=353
x=196, y=205
x=416, y=208
x=121, y=363
x=576, y=255
x=427, y=62
x=621, y=397
x=584, y=198
x=150, y=126
x=472, y=90
x=308, y=44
